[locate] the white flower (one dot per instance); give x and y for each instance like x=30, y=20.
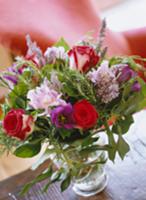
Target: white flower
x=105, y=82
x=53, y=53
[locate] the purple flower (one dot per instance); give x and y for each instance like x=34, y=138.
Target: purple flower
x=11, y=75
x=136, y=87
x=126, y=74
x=62, y=116
x=13, y=79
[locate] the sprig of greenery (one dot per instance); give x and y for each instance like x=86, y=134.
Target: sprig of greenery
x=7, y=143
x=77, y=86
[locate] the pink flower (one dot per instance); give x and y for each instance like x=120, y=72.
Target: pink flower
x=82, y=58
x=45, y=97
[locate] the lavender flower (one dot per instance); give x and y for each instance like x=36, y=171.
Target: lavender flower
x=62, y=116
x=136, y=87
x=105, y=82
x=45, y=97
x=53, y=53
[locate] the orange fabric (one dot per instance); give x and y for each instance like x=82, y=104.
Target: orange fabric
x=46, y=21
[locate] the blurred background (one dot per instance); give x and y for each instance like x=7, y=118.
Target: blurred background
x=120, y=15
x=123, y=14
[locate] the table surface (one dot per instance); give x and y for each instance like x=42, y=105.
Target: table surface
x=126, y=179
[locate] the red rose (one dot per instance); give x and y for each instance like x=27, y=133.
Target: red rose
x=17, y=124
x=84, y=114
x=82, y=58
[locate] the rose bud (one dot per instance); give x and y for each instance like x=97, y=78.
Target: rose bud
x=17, y=124
x=85, y=114
x=82, y=58
x=126, y=74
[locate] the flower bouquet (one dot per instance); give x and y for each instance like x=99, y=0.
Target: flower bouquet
x=68, y=99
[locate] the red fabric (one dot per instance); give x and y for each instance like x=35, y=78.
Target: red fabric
x=137, y=41
x=47, y=20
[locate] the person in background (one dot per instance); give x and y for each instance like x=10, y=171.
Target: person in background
x=48, y=20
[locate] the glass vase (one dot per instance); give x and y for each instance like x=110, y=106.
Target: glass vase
x=91, y=179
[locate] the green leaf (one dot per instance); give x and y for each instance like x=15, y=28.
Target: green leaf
x=89, y=140
x=54, y=177
x=112, y=150
x=129, y=106
x=122, y=147
x=28, y=150
x=17, y=97
x=124, y=124
x=62, y=43
x=65, y=183
x=46, y=174
x=93, y=148
x=65, y=133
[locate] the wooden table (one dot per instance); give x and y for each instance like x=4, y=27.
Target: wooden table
x=127, y=179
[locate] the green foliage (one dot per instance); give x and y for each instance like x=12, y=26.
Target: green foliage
x=27, y=150
x=7, y=143
x=129, y=106
x=41, y=177
x=123, y=123
x=47, y=69
x=17, y=97
x=66, y=182
x=62, y=43
x=55, y=176
x=122, y=147
x=77, y=85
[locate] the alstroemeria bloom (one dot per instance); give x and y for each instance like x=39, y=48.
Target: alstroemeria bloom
x=53, y=53
x=82, y=58
x=34, y=53
x=45, y=97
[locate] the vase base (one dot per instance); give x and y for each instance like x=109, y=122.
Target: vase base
x=85, y=193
